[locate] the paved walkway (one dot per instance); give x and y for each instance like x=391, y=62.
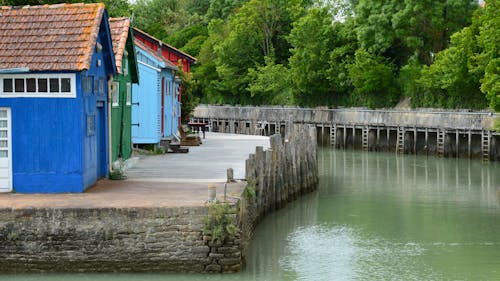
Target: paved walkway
x=206, y=163
x=170, y=180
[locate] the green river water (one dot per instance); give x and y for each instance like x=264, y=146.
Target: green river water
x=375, y=216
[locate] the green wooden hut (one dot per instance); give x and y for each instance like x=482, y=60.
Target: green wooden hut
x=121, y=89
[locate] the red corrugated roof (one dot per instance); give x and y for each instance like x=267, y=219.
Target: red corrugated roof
x=49, y=37
x=161, y=43
x=153, y=53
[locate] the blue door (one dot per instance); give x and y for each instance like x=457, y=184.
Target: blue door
x=101, y=141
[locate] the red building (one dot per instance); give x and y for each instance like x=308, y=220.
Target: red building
x=165, y=50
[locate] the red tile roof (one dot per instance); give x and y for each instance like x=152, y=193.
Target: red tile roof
x=155, y=54
x=49, y=37
x=119, y=34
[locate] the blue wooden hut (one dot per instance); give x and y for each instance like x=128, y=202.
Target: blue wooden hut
x=155, y=105
x=55, y=62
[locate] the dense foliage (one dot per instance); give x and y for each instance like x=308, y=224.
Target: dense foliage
x=371, y=53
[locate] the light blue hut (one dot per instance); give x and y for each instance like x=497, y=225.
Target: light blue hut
x=155, y=106
x=172, y=110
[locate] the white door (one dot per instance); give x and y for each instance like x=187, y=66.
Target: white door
x=5, y=151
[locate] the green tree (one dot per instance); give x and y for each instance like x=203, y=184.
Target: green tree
x=193, y=46
x=448, y=82
x=374, y=27
x=271, y=84
x=408, y=78
x=198, y=7
x=461, y=71
x=159, y=18
x=188, y=100
x=256, y=31
x=373, y=79
x=320, y=53
x=341, y=58
x=189, y=39
x=487, y=58
x=222, y=9
x=424, y=26
x=205, y=73
x=117, y=8
x=400, y=29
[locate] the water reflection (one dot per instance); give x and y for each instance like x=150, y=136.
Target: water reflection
x=415, y=177
x=271, y=238
x=447, y=208
x=321, y=247
x=341, y=253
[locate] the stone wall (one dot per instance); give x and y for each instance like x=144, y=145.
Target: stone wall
x=110, y=240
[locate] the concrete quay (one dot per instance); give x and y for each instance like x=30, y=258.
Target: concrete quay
x=167, y=180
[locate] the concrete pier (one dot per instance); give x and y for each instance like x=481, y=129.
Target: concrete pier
x=422, y=131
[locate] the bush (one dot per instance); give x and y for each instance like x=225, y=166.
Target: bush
x=220, y=223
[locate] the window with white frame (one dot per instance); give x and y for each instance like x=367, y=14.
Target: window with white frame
x=51, y=85
x=114, y=87
x=129, y=93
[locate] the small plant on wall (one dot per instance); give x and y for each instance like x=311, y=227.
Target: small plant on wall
x=117, y=175
x=249, y=193
x=220, y=224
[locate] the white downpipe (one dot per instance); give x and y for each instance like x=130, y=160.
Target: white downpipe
x=110, y=133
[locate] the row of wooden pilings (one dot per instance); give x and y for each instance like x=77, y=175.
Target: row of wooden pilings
x=447, y=142
x=279, y=174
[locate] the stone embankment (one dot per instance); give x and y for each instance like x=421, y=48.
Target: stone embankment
x=102, y=240
x=421, y=131
x=149, y=235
